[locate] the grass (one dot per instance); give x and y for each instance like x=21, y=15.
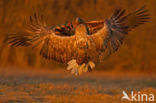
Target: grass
x=58, y=86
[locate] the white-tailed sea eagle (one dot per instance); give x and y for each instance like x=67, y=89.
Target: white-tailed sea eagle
x=79, y=43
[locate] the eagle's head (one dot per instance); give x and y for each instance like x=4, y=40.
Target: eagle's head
x=81, y=29
x=77, y=21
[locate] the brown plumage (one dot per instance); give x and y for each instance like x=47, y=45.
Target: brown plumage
x=80, y=43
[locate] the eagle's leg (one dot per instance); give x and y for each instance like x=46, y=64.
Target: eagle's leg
x=91, y=65
x=79, y=69
x=73, y=66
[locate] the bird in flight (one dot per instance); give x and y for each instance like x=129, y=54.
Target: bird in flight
x=79, y=43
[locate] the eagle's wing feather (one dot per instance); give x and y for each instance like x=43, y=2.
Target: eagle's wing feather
x=94, y=25
x=136, y=18
x=107, y=35
x=45, y=41
x=111, y=35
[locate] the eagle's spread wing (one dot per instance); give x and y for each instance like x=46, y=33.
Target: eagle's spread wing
x=94, y=26
x=111, y=32
x=46, y=41
x=107, y=35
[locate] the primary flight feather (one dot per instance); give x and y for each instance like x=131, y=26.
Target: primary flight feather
x=79, y=43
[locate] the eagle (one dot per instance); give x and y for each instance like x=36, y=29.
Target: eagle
x=80, y=44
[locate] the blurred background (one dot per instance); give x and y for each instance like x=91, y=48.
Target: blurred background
x=138, y=52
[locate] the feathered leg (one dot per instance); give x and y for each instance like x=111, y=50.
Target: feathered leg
x=79, y=69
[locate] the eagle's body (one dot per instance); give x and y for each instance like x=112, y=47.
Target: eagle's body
x=80, y=43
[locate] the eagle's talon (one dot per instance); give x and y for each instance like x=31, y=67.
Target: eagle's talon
x=74, y=71
x=91, y=64
x=73, y=66
x=79, y=69
x=85, y=68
